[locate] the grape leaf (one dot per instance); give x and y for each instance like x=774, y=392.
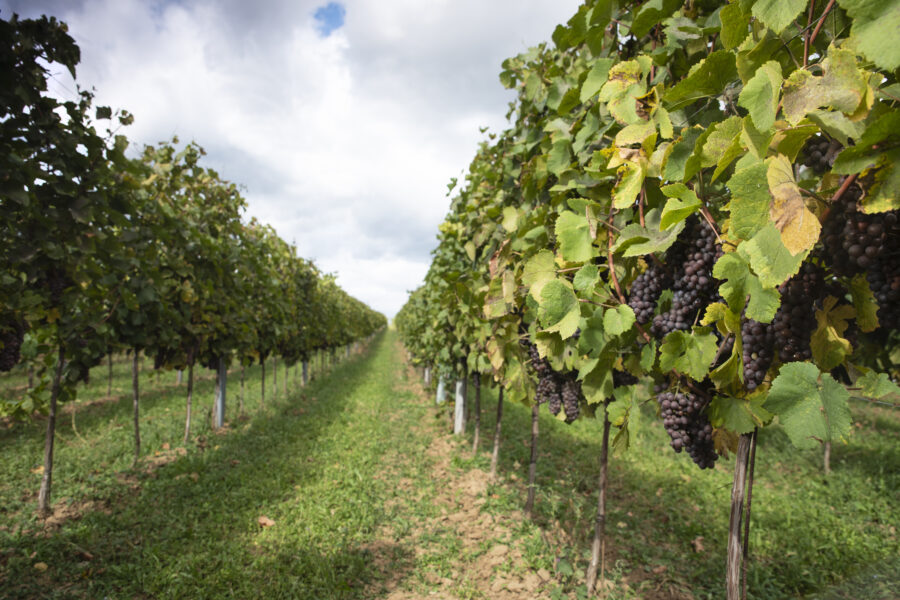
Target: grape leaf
x=586, y=278
x=874, y=30
x=629, y=186
x=510, y=219
x=737, y=414
x=731, y=372
x=829, y=348
x=574, y=235
x=877, y=386
x=740, y=283
x=750, y=200
x=681, y=152
x=882, y=194
x=651, y=13
x=798, y=225
x=760, y=95
x=735, y=25
x=558, y=308
x=706, y=78
x=682, y=202
x=777, y=14
x=720, y=138
x=560, y=157
x=635, y=240
x=768, y=257
x=841, y=87
x=618, y=320
x=811, y=406
x=539, y=269
x=864, y=303
x=691, y=354
x=596, y=78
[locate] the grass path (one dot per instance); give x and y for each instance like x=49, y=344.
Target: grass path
x=353, y=488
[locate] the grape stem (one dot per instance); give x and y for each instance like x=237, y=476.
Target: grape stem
x=821, y=22
x=812, y=6
x=844, y=187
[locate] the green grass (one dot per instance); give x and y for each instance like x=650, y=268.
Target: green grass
x=340, y=467
x=812, y=536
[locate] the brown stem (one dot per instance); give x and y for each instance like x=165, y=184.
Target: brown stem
x=747, y=513
x=826, y=459
x=477, y=383
x=47, y=476
x=812, y=6
x=532, y=467
x=733, y=562
x=844, y=187
x=598, y=548
x=821, y=22
x=190, y=400
x=135, y=391
x=495, y=455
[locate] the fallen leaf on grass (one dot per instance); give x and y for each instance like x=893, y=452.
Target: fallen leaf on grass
x=265, y=521
x=660, y=569
x=166, y=446
x=697, y=543
x=39, y=469
x=41, y=566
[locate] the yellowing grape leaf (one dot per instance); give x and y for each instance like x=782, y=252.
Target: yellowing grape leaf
x=829, y=348
x=798, y=225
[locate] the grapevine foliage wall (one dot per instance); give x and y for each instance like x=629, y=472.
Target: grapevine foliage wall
x=702, y=193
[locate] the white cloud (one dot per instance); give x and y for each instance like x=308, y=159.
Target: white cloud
x=345, y=143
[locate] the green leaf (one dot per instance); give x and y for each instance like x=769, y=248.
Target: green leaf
x=652, y=12
x=510, y=219
x=829, y=348
x=720, y=138
x=706, y=78
x=750, y=200
x=778, y=14
x=689, y=353
x=760, y=95
x=735, y=25
x=618, y=320
x=635, y=134
x=539, y=269
x=769, y=259
x=740, y=283
x=878, y=386
x=558, y=308
x=586, y=278
x=560, y=157
x=681, y=152
x=837, y=125
x=682, y=202
x=635, y=240
x=811, y=406
x=574, y=235
x=737, y=414
x=864, y=302
x=874, y=30
x=597, y=76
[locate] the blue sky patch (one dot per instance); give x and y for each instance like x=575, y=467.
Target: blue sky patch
x=329, y=17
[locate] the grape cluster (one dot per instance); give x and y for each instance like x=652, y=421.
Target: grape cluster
x=688, y=426
x=12, y=332
x=645, y=291
x=795, y=320
x=758, y=339
x=884, y=280
x=692, y=257
x=818, y=154
x=561, y=391
x=56, y=281
x=853, y=240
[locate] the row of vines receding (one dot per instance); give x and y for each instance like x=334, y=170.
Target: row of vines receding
x=695, y=199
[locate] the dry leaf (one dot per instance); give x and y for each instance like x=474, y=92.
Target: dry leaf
x=697, y=543
x=41, y=566
x=39, y=469
x=265, y=521
x=165, y=446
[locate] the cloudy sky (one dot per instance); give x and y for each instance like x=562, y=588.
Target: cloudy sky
x=343, y=120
